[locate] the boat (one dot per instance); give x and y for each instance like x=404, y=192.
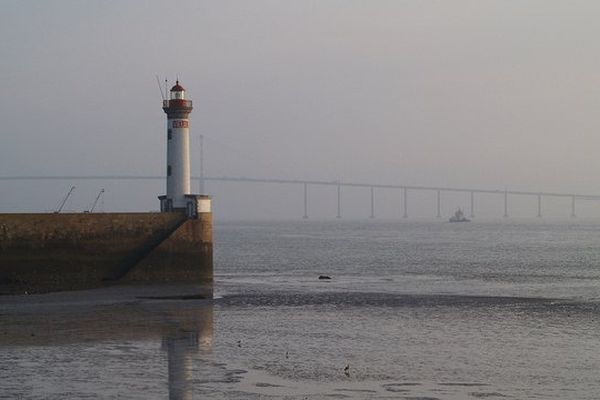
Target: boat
x=459, y=216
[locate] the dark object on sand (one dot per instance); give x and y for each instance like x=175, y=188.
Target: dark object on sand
x=324, y=277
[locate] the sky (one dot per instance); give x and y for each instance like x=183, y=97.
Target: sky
x=480, y=94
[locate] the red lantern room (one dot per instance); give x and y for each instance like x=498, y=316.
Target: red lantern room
x=177, y=92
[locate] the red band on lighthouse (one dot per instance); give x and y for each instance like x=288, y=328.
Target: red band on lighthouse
x=180, y=123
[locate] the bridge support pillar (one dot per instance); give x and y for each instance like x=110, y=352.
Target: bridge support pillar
x=405, y=202
x=472, y=215
x=372, y=202
x=505, y=204
x=339, y=202
x=305, y=216
x=439, y=204
x=539, y=199
x=573, y=207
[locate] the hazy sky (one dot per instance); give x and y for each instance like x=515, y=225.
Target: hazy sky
x=488, y=94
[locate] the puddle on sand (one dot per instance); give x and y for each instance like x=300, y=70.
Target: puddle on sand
x=261, y=383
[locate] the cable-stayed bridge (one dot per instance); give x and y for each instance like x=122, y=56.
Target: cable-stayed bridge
x=406, y=190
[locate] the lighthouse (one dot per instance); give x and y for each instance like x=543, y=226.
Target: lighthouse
x=179, y=196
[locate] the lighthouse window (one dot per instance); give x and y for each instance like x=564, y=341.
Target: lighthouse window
x=168, y=170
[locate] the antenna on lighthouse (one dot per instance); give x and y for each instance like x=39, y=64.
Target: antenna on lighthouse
x=162, y=94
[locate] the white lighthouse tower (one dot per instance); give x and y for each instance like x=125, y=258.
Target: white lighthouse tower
x=179, y=196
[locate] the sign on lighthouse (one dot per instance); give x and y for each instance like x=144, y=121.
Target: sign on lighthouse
x=179, y=196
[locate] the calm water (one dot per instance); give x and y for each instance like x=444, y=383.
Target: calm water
x=416, y=310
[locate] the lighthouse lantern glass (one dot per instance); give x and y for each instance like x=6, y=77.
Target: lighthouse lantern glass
x=178, y=95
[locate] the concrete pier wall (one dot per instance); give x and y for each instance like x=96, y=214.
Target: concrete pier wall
x=49, y=252
x=188, y=251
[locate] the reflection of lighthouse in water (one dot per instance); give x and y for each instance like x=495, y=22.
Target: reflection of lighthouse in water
x=181, y=343
x=179, y=351
x=185, y=329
